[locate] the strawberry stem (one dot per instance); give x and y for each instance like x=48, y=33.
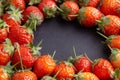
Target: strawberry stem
x=109, y=47
x=88, y=57
x=18, y=49
x=74, y=51
x=59, y=9
x=102, y=35
x=53, y=54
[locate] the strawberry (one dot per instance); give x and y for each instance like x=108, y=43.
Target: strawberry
x=86, y=76
x=3, y=31
x=26, y=54
x=91, y=3
x=114, y=58
x=24, y=75
x=33, y=16
x=48, y=7
x=110, y=7
x=21, y=35
x=69, y=10
x=6, y=51
x=18, y=4
x=88, y=16
x=6, y=72
x=32, y=2
x=64, y=71
x=44, y=65
x=82, y=63
x=109, y=25
x=102, y=68
x=13, y=17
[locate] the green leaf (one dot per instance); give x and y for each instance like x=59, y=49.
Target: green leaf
x=84, y=2
x=81, y=14
x=32, y=2
x=3, y=24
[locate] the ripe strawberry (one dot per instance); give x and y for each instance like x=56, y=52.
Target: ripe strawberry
x=86, y=76
x=102, y=69
x=32, y=2
x=18, y=4
x=115, y=58
x=82, y=63
x=44, y=65
x=110, y=7
x=109, y=25
x=24, y=75
x=6, y=51
x=114, y=41
x=91, y=3
x=48, y=7
x=88, y=16
x=64, y=71
x=21, y=35
x=13, y=17
x=3, y=31
x=6, y=72
x=33, y=16
x=27, y=55
x=69, y=10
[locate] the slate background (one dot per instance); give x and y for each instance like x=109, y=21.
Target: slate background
x=59, y=35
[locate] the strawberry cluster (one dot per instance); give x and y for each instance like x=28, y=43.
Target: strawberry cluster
x=21, y=60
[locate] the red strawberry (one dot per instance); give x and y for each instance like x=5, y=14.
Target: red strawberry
x=18, y=4
x=48, y=7
x=26, y=54
x=115, y=58
x=24, y=75
x=102, y=69
x=6, y=51
x=91, y=3
x=109, y=25
x=21, y=35
x=86, y=76
x=33, y=16
x=82, y=64
x=44, y=65
x=110, y=7
x=13, y=17
x=3, y=31
x=64, y=71
x=69, y=10
x=6, y=72
x=88, y=16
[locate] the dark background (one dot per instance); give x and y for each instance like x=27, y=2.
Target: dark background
x=60, y=35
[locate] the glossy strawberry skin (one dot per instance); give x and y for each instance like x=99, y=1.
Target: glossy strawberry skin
x=72, y=8
x=3, y=34
x=10, y=22
x=66, y=71
x=90, y=3
x=111, y=27
x=88, y=16
x=25, y=75
x=83, y=64
x=27, y=57
x=20, y=35
x=102, y=69
x=18, y=4
x=3, y=75
x=48, y=5
x=44, y=65
x=115, y=42
x=110, y=7
x=4, y=56
x=34, y=10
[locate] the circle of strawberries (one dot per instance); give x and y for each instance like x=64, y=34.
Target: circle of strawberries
x=21, y=60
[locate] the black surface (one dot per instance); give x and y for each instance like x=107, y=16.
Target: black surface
x=61, y=36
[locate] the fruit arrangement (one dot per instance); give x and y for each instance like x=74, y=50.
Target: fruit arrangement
x=21, y=60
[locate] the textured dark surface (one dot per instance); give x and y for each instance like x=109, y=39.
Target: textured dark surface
x=61, y=36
